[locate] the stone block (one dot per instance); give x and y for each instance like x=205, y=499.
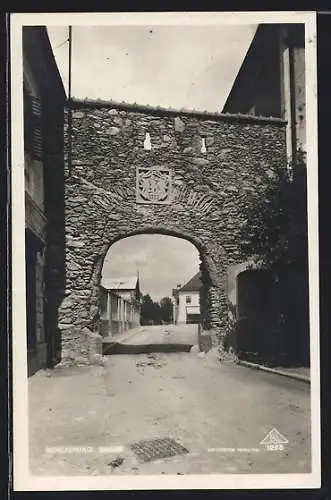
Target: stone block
x=200, y=162
x=78, y=114
x=188, y=150
x=114, y=130
x=195, y=349
x=179, y=125
x=118, y=121
x=72, y=266
x=93, y=345
x=209, y=141
x=93, y=311
x=75, y=243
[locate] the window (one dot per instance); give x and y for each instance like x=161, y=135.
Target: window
x=147, y=142
x=32, y=124
x=188, y=299
x=203, y=145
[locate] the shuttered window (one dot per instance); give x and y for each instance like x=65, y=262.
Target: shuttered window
x=32, y=125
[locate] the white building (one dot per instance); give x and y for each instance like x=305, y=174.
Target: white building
x=120, y=305
x=187, y=301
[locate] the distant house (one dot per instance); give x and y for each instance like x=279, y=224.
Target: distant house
x=43, y=100
x=271, y=80
x=187, y=301
x=120, y=304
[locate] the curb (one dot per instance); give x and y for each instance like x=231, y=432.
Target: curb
x=122, y=337
x=295, y=376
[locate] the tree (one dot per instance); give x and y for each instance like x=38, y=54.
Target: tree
x=154, y=312
x=157, y=314
x=150, y=312
x=275, y=234
x=147, y=310
x=166, y=309
x=275, y=229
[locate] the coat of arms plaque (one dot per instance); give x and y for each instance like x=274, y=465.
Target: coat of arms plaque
x=153, y=185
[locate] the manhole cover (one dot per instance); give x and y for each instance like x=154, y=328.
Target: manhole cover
x=154, y=449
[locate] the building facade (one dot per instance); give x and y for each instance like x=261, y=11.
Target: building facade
x=187, y=301
x=119, y=305
x=43, y=100
x=271, y=81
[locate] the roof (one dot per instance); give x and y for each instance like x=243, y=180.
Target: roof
x=193, y=285
x=76, y=103
x=39, y=54
x=129, y=283
x=265, y=42
x=248, y=71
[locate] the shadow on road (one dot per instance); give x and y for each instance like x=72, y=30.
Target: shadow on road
x=118, y=348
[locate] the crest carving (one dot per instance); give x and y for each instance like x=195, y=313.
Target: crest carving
x=153, y=185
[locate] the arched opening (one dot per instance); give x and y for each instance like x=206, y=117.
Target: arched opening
x=153, y=278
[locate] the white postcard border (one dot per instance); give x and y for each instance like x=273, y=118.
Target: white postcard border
x=23, y=481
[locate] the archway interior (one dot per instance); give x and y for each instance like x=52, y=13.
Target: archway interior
x=158, y=267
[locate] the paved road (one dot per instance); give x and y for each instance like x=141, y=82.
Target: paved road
x=219, y=413
x=166, y=334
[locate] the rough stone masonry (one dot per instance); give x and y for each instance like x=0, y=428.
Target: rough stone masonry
x=192, y=181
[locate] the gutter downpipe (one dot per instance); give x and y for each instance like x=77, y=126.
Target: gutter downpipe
x=69, y=103
x=293, y=105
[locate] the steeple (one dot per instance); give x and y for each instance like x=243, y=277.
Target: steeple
x=138, y=287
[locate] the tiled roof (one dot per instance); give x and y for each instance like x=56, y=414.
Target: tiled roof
x=76, y=103
x=193, y=285
x=129, y=283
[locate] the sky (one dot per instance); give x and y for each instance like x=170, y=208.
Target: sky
x=178, y=66
x=163, y=262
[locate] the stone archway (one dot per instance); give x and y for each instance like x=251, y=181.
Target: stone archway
x=81, y=307
x=115, y=188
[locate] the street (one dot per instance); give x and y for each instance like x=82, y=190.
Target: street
x=166, y=334
x=167, y=338
x=84, y=420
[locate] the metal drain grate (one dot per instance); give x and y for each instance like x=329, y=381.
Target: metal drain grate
x=153, y=449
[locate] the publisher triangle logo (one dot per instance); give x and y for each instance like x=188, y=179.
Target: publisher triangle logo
x=274, y=437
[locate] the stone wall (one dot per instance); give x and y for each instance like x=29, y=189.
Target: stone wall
x=209, y=191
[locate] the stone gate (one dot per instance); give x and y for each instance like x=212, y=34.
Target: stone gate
x=132, y=170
